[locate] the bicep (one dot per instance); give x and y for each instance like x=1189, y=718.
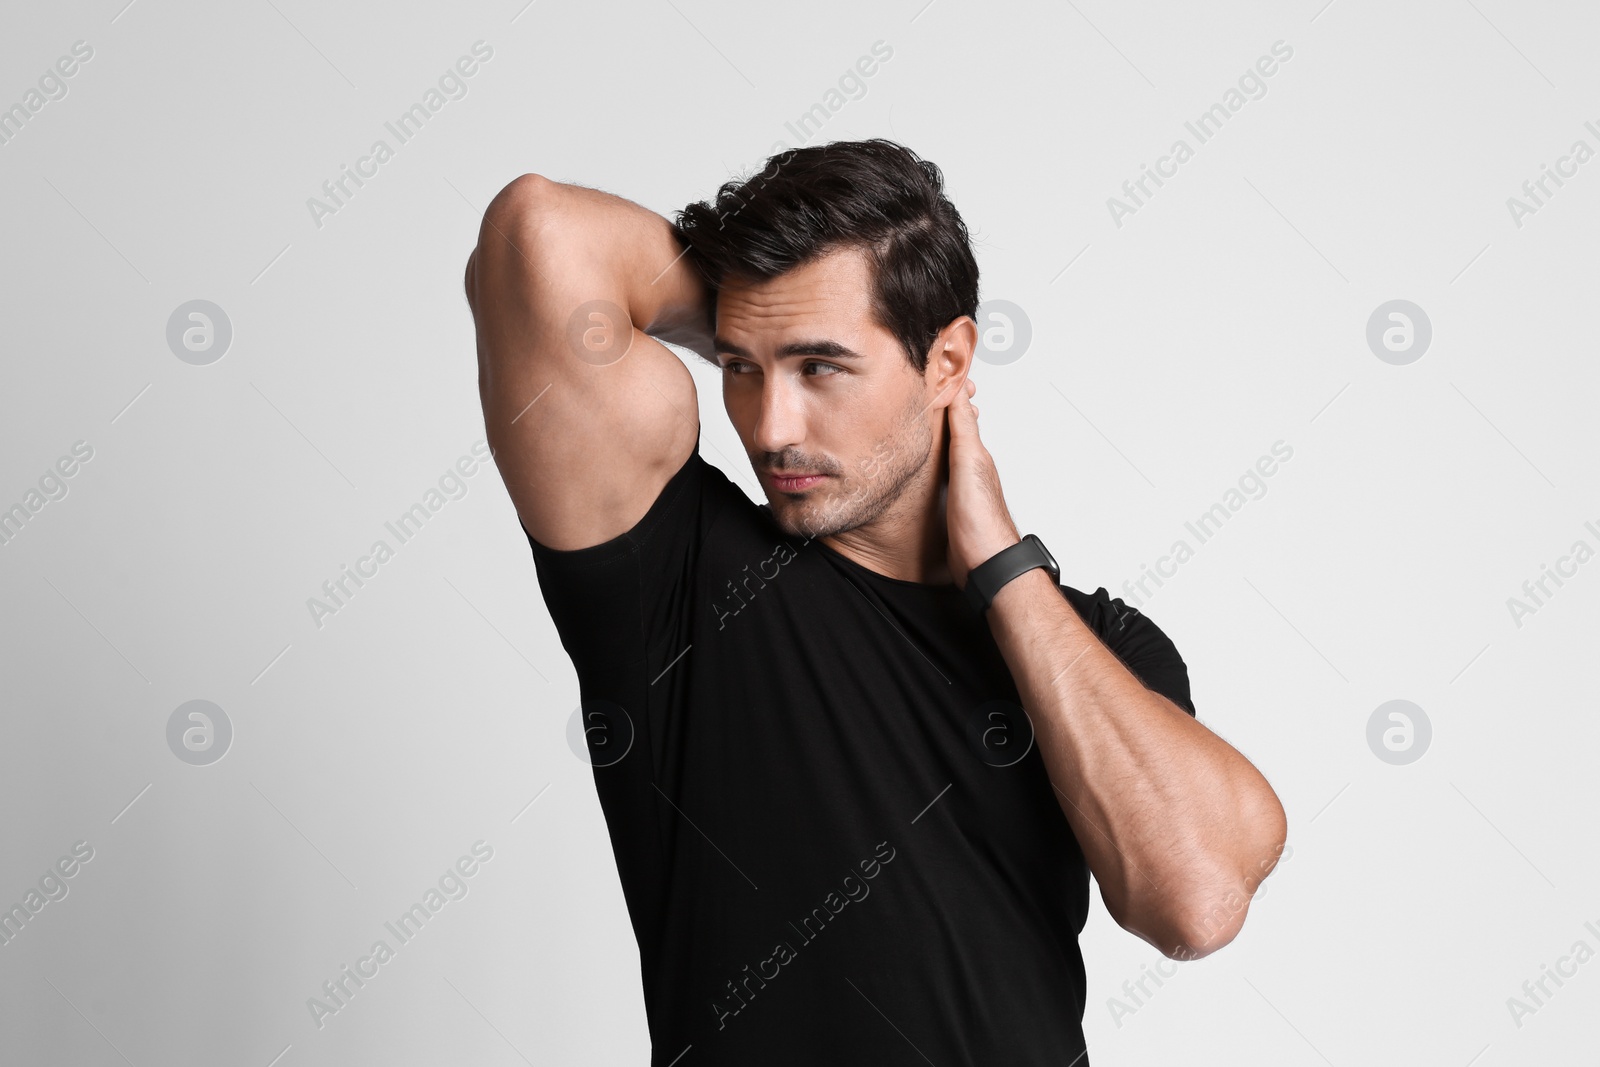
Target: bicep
x=584, y=450
x=587, y=415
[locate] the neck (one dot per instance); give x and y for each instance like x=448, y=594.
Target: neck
x=909, y=541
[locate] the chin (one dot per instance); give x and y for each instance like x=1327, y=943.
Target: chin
x=809, y=519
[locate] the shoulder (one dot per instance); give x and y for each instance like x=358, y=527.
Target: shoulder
x=697, y=502
x=1142, y=646
x=1102, y=612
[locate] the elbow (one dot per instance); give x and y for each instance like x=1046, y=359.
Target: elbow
x=1203, y=921
x=1191, y=930
x=1202, y=930
x=516, y=227
x=521, y=194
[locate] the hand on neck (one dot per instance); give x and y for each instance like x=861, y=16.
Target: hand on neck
x=909, y=541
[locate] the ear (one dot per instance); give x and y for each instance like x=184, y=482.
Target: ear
x=949, y=361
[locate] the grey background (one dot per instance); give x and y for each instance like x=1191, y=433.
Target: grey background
x=1167, y=355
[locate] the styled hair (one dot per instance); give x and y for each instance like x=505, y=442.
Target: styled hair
x=875, y=195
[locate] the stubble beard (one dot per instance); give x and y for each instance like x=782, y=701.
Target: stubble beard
x=864, y=495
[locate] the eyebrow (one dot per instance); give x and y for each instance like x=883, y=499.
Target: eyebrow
x=831, y=349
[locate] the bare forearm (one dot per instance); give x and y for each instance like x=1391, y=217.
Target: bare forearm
x=1177, y=826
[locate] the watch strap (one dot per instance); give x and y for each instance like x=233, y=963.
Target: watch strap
x=986, y=579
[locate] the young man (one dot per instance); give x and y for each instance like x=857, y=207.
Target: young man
x=841, y=838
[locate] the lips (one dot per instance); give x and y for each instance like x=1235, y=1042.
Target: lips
x=793, y=483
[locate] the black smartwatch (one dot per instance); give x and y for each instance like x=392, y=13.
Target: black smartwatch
x=986, y=578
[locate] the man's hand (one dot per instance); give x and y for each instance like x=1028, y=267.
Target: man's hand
x=976, y=518
x=1177, y=827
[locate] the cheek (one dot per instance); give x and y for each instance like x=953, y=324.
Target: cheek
x=835, y=425
x=877, y=457
x=741, y=399
x=856, y=410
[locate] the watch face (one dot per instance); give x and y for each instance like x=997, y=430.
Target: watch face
x=1055, y=571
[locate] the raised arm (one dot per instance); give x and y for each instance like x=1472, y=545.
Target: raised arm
x=587, y=414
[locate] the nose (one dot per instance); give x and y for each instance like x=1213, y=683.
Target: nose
x=780, y=416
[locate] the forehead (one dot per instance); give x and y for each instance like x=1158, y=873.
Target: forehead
x=833, y=291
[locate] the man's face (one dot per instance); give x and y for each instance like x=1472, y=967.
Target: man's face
x=818, y=389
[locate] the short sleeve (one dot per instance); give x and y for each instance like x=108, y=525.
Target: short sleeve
x=1139, y=643
x=622, y=611
x=619, y=606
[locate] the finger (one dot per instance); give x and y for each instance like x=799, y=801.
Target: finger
x=963, y=416
x=939, y=400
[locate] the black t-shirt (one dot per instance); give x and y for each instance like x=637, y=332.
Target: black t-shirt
x=836, y=837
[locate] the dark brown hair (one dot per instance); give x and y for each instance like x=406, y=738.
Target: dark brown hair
x=875, y=195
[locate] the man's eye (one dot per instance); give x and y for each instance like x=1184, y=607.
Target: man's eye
x=812, y=369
